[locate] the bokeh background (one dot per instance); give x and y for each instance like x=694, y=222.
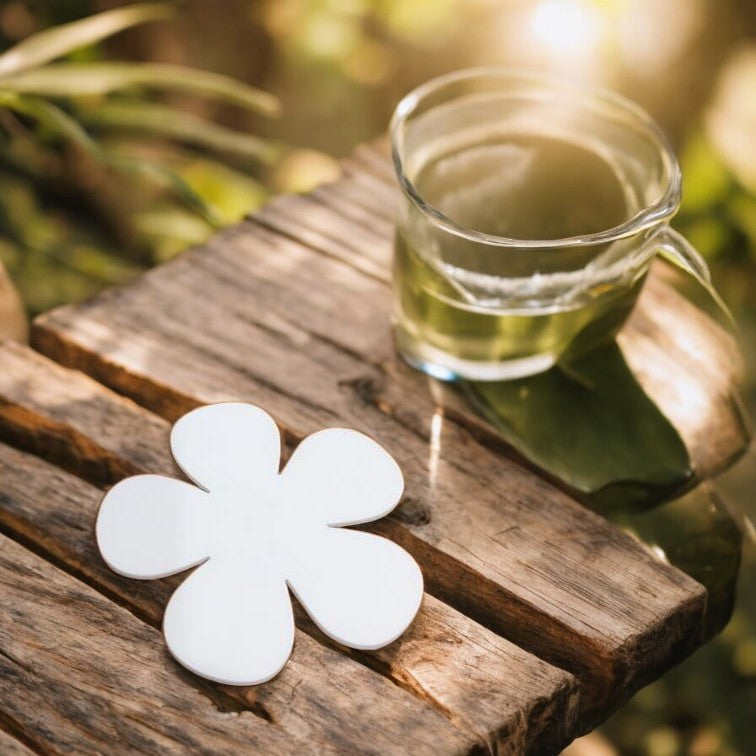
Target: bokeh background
x=70, y=225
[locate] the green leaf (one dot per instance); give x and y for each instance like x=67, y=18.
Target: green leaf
x=594, y=429
x=52, y=118
x=49, y=44
x=233, y=194
x=92, y=79
x=168, y=230
x=168, y=179
x=164, y=121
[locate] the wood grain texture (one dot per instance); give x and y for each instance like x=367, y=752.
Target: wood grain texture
x=366, y=199
x=124, y=444
x=483, y=683
x=337, y=240
x=80, y=674
x=479, y=680
x=255, y=316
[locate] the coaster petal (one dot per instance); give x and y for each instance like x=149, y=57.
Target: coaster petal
x=149, y=526
x=227, y=447
x=360, y=589
x=341, y=477
x=227, y=628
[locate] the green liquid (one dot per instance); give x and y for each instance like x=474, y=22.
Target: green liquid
x=430, y=310
x=531, y=187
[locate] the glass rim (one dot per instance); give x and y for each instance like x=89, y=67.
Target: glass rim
x=647, y=218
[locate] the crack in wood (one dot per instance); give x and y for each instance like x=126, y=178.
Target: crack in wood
x=15, y=662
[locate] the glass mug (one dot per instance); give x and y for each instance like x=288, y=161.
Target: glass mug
x=531, y=210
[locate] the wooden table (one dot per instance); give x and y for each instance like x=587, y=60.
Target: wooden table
x=540, y=616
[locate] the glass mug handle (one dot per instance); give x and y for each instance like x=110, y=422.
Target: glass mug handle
x=676, y=249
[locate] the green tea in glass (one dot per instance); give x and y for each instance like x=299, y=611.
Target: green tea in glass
x=531, y=210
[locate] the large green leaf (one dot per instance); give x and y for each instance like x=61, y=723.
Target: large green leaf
x=593, y=428
x=49, y=44
x=87, y=79
x=164, y=121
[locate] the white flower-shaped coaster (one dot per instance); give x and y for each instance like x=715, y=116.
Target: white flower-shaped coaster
x=255, y=531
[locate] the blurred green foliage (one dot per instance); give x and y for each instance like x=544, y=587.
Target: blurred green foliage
x=98, y=178
x=717, y=214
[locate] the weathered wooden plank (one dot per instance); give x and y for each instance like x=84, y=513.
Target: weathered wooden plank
x=495, y=540
x=363, y=187
x=478, y=678
x=80, y=674
x=126, y=443
x=483, y=683
x=374, y=158
x=319, y=230
x=357, y=203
